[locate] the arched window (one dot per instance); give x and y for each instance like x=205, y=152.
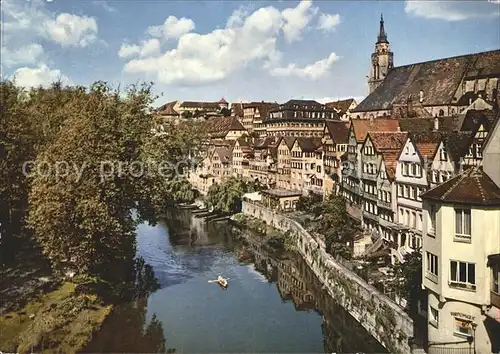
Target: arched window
x=441, y=113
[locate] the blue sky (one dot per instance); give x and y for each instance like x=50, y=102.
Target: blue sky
x=241, y=50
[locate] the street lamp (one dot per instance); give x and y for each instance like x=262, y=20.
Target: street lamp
x=471, y=339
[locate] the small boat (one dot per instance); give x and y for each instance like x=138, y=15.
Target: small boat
x=221, y=281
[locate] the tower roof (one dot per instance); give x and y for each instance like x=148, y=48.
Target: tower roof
x=382, y=36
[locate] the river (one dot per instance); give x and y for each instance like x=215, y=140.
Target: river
x=272, y=304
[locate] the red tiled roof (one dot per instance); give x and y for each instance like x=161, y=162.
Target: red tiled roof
x=338, y=130
x=220, y=126
x=168, y=109
x=472, y=187
x=200, y=105
x=361, y=127
x=342, y=105
x=388, y=144
x=308, y=144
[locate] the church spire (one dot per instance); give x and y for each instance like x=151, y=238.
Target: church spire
x=382, y=36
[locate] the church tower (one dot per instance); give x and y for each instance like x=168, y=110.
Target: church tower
x=382, y=59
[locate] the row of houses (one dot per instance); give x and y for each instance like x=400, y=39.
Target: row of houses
x=418, y=163
x=418, y=184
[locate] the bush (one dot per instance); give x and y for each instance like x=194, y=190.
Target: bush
x=87, y=284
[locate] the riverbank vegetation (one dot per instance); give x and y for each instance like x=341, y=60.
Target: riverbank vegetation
x=329, y=219
x=226, y=197
x=79, y=168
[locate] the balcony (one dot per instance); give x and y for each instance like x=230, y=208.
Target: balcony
x=384, y=204
x=369, y=177
x=353, y=189
x=385, y=223
x=372, y=197
x=370, y=216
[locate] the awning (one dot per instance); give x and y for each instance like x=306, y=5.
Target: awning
x=494, y=313
x=493, y=259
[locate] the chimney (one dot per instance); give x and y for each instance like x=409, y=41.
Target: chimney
x=421, y=96
x=436, y=123
x=409, y=106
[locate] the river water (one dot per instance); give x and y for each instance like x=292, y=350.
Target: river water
x=273, y=302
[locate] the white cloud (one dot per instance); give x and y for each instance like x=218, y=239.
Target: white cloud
x=27, y=54
x=172, y=28
x=29, y=21
x=324, y=100
x=452, y=10
x=328, y=22
x=204, y=58
x=296, y=19
x=104, y=4
x=237, y=18
x=248, y=38
x=146, y=48
x=312, y=71
x=40, y=76
x=72, y=30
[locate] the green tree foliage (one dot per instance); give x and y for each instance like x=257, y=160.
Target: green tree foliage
x=93, y=174
x=310, y=203
x=225, y=112
x=29, y=121
x=335, y=225
x=408, y=278
x=226, y=197
x=82, y=217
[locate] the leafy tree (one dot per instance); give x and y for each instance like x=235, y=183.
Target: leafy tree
x=408, y=278
x=226, y=197
x=82, y=217
x=225, y=112
x=187, y=114
x=335, y=225
x=309, y=203
x=29, y=121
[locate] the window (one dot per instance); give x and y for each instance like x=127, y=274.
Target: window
x=406, y=168
x=413, y=220
x=432, y=265
x=463, y=275
x=462, y=225
x=462, y=328
x=495, y=284
x=413, y=193
x=414, y=169
x=434, y=319
x=443, y=155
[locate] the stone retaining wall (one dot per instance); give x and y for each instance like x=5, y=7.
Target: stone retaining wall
x=378, y=314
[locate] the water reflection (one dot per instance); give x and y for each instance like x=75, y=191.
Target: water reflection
x=297, y=283
x=274, y=303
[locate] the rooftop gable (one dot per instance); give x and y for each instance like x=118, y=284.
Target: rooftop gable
x=471, y=187
x=308, y=144
x=338, y=131
x=361, y=127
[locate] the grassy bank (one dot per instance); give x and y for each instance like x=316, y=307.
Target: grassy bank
x=61, y=320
